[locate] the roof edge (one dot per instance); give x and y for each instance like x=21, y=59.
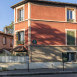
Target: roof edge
x=6, y=34
x=43, y=1
x=19, y=3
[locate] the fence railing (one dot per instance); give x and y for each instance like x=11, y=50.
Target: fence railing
x=12, y=59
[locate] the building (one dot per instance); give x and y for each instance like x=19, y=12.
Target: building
x=48, y=29
x=6, y=41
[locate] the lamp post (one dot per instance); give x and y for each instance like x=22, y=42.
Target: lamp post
x=27, y=60
x=64, y=59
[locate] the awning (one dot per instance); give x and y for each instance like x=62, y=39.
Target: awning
x=20, y=49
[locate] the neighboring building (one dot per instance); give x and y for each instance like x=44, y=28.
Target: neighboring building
x=48, y=29
x=6, y=41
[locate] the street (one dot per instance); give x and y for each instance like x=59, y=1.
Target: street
x=57, y=75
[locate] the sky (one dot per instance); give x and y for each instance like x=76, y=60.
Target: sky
x=7, y=13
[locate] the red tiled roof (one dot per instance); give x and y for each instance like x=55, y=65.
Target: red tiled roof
x=6, y=34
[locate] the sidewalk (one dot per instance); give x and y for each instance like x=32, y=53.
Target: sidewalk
x=37, y=72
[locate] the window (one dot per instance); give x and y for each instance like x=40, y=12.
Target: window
x=4, y=40
x=11, y=42
x=20, y=15
x=20, y=36
x=71, y=37
x=70, y=15
x=69, y=56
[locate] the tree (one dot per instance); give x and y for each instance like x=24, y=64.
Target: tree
x=10, y=28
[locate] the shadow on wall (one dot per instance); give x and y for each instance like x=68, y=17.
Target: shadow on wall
x=46, y=35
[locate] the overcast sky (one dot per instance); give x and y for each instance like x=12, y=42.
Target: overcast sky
x=7, y=13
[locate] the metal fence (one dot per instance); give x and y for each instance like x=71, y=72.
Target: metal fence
x=12, y=59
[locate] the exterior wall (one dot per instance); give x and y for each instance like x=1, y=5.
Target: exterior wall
x=50, y=33
x=48, y=27
x=43, y=31
x=37, y=65
x=8, y=41
x=23, y=25
x=47, y=12
x=25, y=12
x=49, y=53
x=76, y=15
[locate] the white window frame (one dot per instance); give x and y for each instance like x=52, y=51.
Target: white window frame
x=20, y=31
x=74, y=15
x=17, y=8
x=66, y=36
x=70, y=60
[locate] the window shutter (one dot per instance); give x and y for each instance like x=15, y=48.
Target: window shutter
x=70, y=37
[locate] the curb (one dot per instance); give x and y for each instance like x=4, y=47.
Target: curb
x=39, y=73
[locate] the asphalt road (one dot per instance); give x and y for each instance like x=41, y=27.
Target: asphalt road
x=57, y=75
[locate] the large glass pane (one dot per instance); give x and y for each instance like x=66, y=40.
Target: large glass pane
x=72, y=56
x=19, y=15
x=22, y=14
x=22, y=36
x=67, y=56
x=70, y=37
x=72, y=33
x=70, y=14
x=67, y=15
x=64, y=57
x=18, y=36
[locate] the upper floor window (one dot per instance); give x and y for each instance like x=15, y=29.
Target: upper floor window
x=70, y=15
x=20, y=14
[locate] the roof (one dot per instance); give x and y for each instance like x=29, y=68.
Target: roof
x=6, y=34
x=44, y=1
x=20, y=49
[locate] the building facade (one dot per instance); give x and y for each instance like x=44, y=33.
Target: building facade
x=48, y=29
x=6, y=41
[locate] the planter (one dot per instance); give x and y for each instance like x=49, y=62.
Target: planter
x=20, y=44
